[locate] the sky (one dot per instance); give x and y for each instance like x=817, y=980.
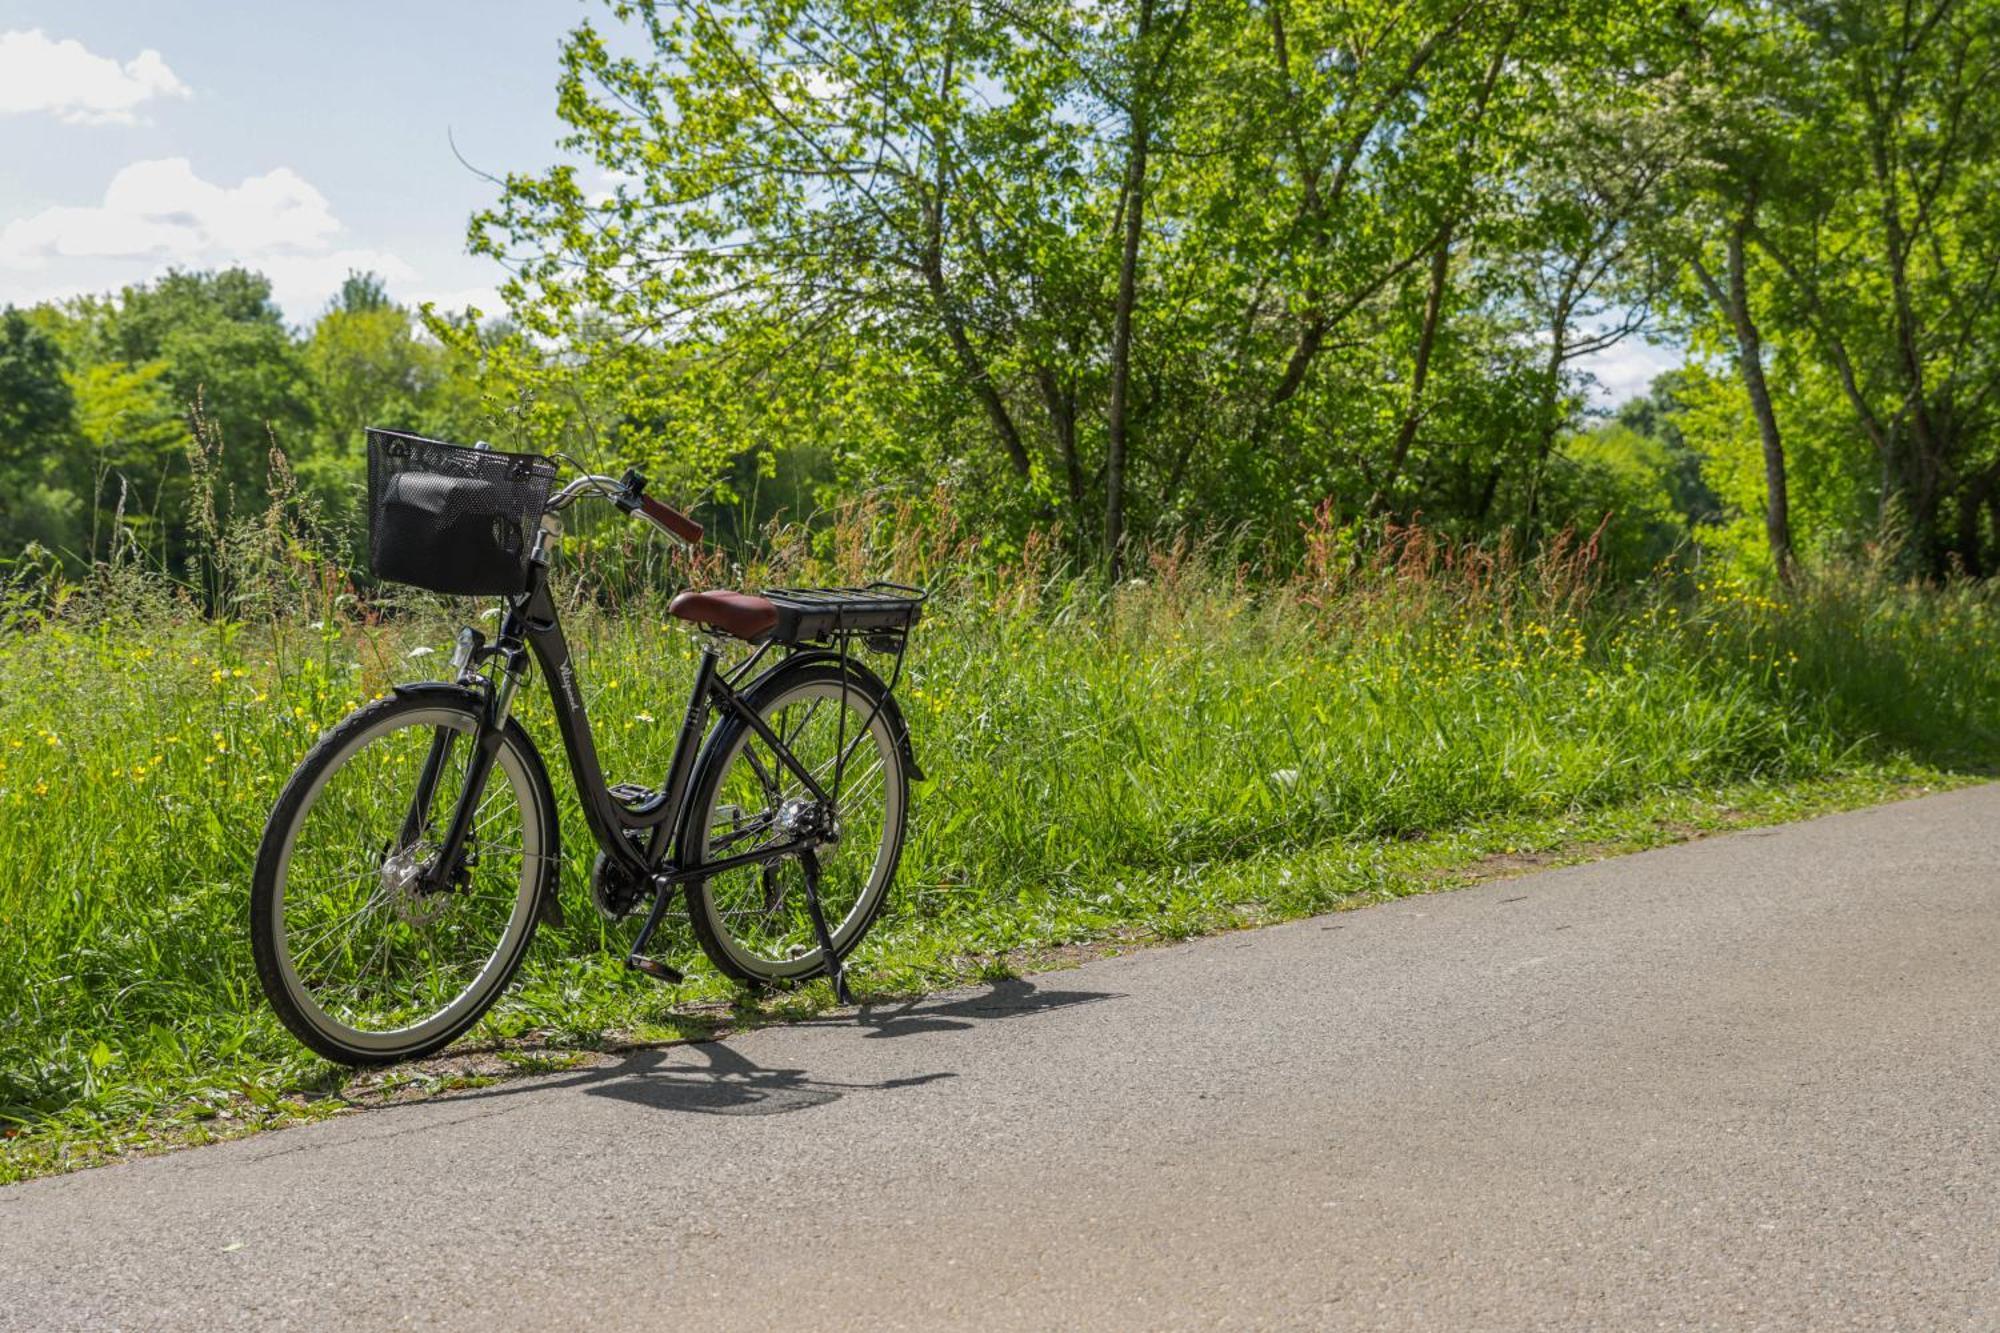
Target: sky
x=302, y=138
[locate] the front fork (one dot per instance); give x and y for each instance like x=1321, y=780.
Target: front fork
x=440, y=873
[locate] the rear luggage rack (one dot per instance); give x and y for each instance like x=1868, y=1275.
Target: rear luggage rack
x=881, y=613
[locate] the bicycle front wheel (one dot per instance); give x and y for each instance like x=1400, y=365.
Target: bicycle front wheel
x=360, y=959
x=752, y=921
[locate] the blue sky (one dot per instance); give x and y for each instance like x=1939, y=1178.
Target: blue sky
x=299, y=137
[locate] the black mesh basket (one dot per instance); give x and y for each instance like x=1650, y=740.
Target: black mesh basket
x=452, y=519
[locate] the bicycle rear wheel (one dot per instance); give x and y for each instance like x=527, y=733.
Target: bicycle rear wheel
x=360, y=962
x=752, y=921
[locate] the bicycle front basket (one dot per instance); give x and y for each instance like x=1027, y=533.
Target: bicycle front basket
x=452, y=519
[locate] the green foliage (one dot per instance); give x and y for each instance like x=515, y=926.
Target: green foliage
x=38, y=463
x=904, y=228
x=1162, y=266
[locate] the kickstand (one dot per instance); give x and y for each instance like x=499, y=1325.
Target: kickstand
x=809, y=862
x=637, y=959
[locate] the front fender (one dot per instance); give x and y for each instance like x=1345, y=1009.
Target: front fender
x=437, y=689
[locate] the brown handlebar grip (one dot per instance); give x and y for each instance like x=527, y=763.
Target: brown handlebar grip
x=673, y=520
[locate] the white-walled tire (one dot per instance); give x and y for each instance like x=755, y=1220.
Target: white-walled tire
x=360, y=966
x=752, y=921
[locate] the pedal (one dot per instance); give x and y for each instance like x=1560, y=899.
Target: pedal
x=631, y=793
x=655, y=969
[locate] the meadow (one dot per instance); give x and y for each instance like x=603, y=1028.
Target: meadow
x=1187, y=751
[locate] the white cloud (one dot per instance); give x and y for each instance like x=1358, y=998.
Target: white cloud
x=1625, y=370
x=69, y=81
x=161, y=213
x=303, y=284
x=162, y=210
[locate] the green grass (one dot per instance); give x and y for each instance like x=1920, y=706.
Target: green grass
x=1173, y=758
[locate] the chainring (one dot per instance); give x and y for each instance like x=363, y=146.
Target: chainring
x=614, y=890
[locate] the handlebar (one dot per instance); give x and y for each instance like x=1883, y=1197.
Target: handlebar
x=671, y=520
x=629, y=494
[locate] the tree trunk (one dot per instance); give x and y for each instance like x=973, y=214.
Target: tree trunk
x=1922, y=470
x=970, y=361
x=1545, y=443
x=1061, y=405
x=1735, y=304
x=1118, y=423
x=1413, y=415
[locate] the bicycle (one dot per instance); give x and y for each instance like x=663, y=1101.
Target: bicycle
x=398, y=885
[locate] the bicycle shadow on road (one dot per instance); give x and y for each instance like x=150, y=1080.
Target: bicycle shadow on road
x=730, y=1083
x=1011, y=998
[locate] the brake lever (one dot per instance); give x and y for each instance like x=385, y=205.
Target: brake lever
x=631, y=491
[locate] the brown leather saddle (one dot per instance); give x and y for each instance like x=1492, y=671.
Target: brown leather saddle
x=742, y=614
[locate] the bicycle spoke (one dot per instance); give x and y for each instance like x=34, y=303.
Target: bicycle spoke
x=761, y=910
x=388, y=955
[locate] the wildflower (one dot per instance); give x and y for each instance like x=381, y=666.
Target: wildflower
x=422, y=650
x=642, y=717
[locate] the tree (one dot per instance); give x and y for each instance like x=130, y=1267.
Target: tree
x=1124, y=236
x=38, y=500
x=1845, y=161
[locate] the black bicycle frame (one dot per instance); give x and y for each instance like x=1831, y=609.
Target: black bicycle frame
x=530, y=624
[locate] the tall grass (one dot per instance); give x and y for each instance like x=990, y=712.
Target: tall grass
x=1096, y=756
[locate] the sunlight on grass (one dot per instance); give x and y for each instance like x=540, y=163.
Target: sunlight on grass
x=1167, y=756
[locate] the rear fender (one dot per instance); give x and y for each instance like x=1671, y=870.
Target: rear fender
x=862, y=672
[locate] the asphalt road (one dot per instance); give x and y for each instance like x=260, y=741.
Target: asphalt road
x=1744, y=1083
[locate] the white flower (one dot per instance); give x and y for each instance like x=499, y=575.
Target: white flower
x=422, y=652
x=642, y=717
